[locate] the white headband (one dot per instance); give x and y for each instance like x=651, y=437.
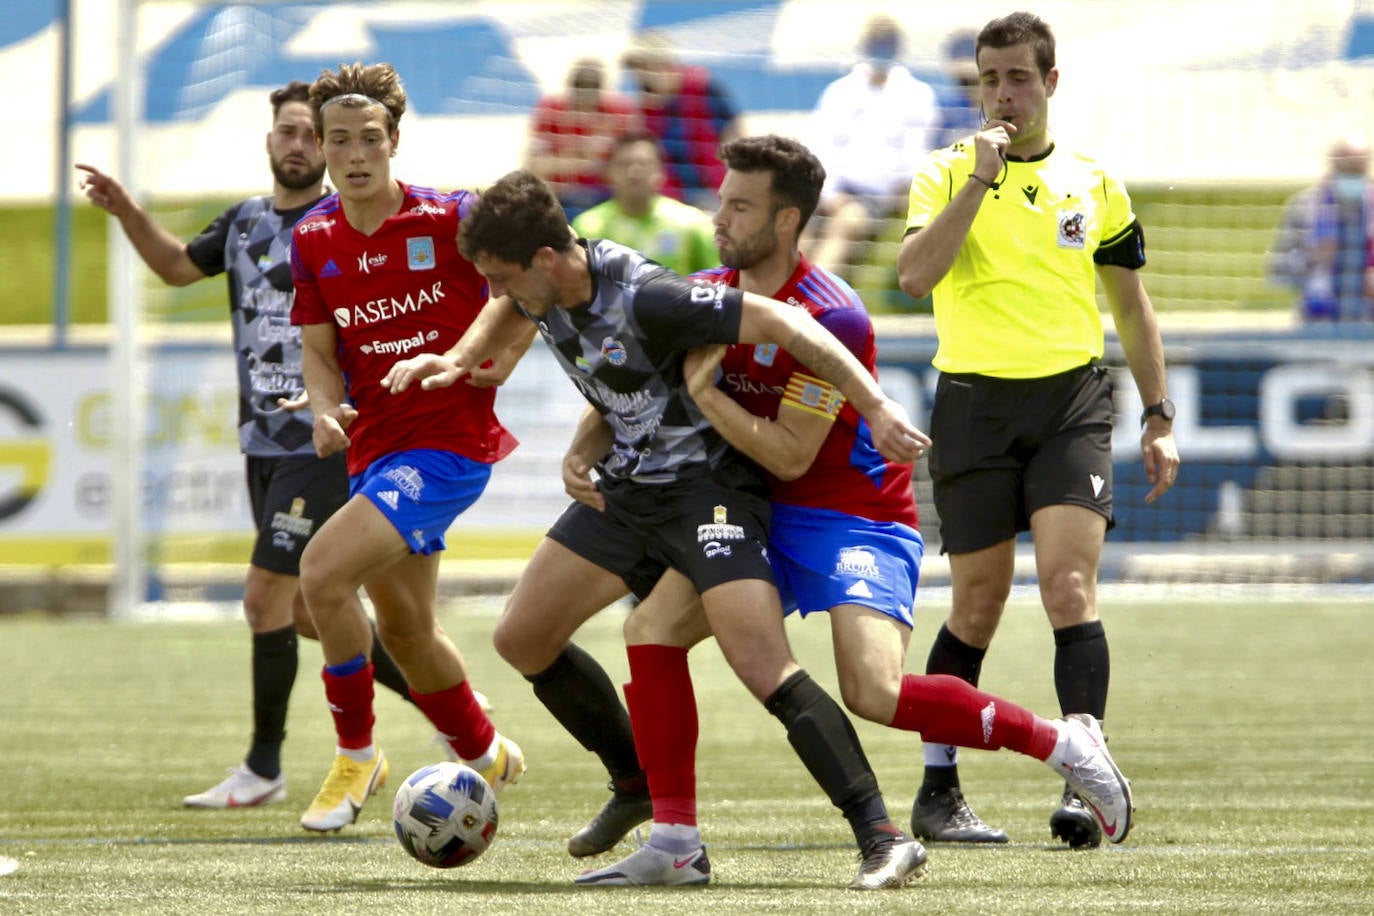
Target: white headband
x=352, y=97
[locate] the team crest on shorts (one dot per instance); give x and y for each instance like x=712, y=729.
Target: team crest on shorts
x=420, y=253
x=710, y=536
x=1073, y=229
x=764, y=354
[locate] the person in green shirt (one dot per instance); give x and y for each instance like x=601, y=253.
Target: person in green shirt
x=639, y=216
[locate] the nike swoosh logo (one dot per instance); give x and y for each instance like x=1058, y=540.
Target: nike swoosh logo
x=1108, y=829
x=683, y=863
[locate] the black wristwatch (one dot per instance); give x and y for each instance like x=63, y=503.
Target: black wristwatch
x=1164, y=408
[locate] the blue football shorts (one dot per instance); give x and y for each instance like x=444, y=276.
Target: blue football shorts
x=822, y=559
x=421, y=492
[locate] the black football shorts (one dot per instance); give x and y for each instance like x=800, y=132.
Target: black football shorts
x=712, y=528
x=1004, y=448
x=292, y=496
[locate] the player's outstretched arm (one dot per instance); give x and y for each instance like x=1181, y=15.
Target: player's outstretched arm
x=767, y=320
x=163, y=252
x=496, y=370
x=1140, y=341
x=785, y=447
x=497, y=328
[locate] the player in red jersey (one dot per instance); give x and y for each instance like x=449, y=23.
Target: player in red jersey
x=378, y=275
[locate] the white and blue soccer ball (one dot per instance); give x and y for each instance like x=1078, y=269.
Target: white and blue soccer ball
x=445, y=814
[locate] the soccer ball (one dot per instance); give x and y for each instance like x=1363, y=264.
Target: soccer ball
x=445, y=814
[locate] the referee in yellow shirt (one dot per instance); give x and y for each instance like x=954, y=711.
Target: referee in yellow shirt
x=1009, y=231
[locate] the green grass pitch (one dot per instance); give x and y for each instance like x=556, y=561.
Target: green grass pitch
x=1245, y=726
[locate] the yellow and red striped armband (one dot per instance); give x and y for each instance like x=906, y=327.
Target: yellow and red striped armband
x=806, y=392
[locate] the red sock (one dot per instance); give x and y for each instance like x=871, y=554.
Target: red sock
x=454, y=711
x=948, y=710
x=350, y=701
x=663, y=714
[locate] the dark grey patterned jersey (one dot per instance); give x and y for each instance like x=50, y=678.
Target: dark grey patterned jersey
x=251, y=242
x=623, y=350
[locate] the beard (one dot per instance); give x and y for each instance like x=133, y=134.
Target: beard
x=296, y=178
x=749, y=252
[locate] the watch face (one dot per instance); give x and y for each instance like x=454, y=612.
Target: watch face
x=1164, y=408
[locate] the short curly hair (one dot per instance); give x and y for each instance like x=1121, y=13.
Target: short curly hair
x=378, y=82
x=797, y=175
x=513, y=219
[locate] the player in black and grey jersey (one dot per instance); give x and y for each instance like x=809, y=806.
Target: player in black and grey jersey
x=291, y=490
x=672, y=496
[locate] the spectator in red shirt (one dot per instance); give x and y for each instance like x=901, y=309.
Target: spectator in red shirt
x=688, y=112
x=571, y=135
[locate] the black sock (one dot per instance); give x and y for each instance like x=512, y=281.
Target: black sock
x=949, y=655
x=385, y=671
x=274, y=674
x=824, y=739
x=1082, y=668
x=579, y=693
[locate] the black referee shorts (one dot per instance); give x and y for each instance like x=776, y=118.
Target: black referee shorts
x=1004, y=448
x=292, y=496
x=713, y=529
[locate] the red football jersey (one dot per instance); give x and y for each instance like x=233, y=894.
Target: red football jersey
x=399, y=292
x=849, y=474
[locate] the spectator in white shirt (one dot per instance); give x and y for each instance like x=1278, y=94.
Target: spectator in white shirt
x=872, y=128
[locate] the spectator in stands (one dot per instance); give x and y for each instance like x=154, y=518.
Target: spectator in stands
x=1325, y=240
x=571, y=135
x=961, y=110
x=871, y=129
x=676, y=235
x=688, y=112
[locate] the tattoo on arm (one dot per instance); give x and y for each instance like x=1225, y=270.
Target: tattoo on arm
x=819, y=360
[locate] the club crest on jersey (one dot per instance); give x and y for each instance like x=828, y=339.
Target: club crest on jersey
x=1073, y=229
x=613, y=351
x=420, y=253
x=764, y=354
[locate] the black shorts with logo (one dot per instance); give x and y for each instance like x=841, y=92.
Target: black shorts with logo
x=1004, y=448
x=712, y=528
x=291, y=498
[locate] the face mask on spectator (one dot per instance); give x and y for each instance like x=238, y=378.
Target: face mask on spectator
x=881, y=53
x=1348, y=187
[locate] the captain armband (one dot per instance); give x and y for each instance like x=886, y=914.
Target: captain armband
x=806, y=392
x=1127, y=249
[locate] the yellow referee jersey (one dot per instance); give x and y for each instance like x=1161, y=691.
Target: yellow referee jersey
x=1020, y=298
